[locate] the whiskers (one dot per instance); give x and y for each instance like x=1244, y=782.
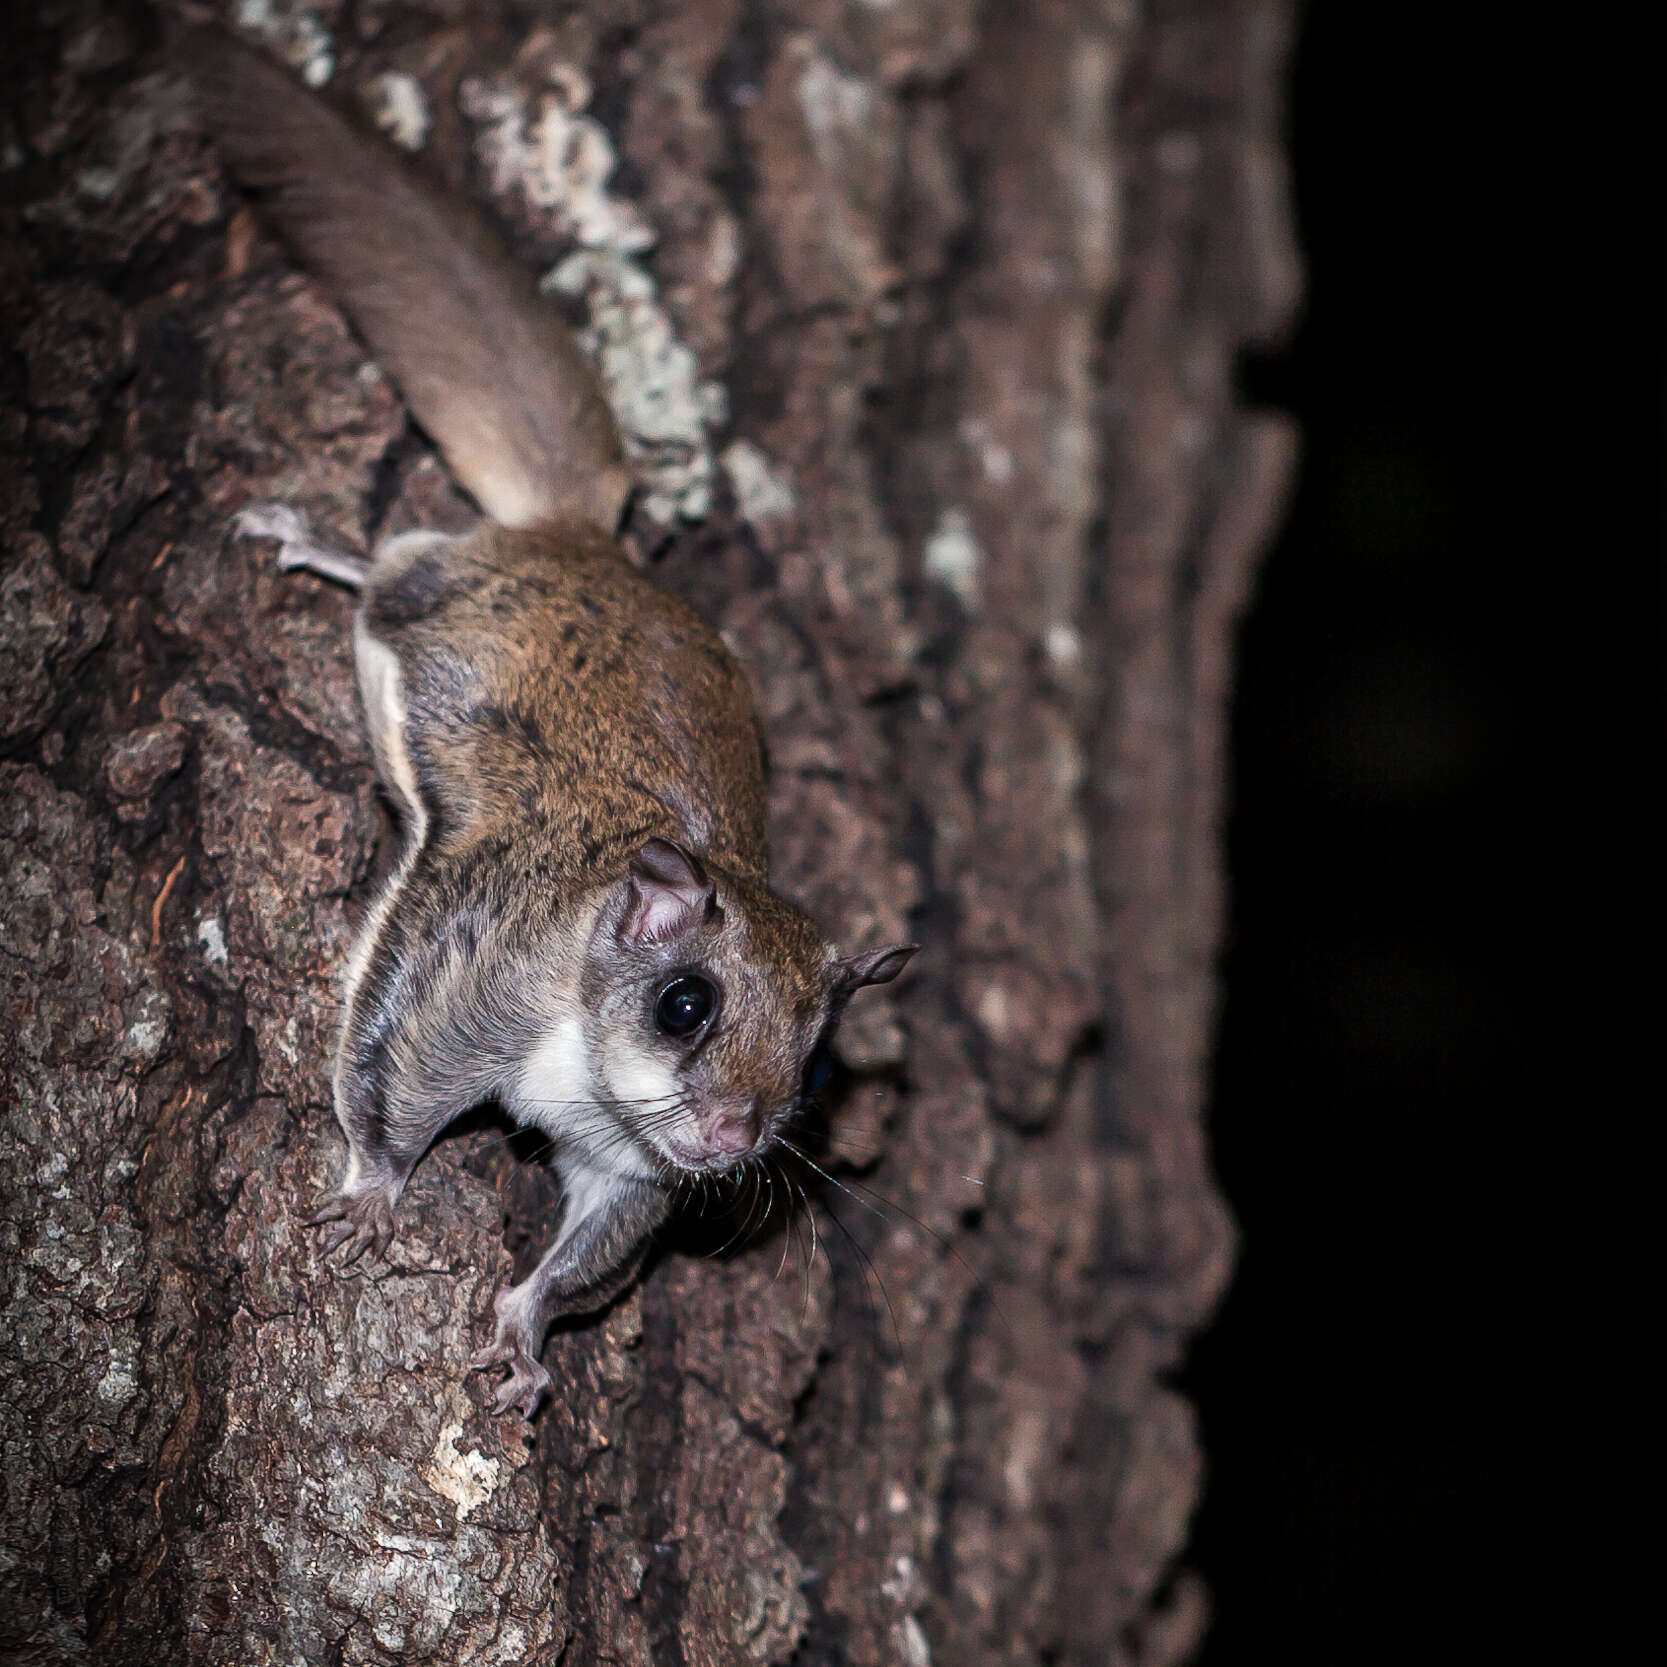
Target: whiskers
x=785, y=1187
x=597, y=1130
x=877, y=1204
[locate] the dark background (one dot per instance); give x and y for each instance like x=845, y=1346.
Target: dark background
x=1440, y=1035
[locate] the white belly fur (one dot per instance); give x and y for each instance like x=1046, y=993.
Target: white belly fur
x=558, y=1093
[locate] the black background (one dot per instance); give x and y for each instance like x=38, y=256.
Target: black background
x=1440, y=1038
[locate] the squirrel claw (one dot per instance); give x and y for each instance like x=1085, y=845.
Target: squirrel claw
x=524, y=1388
x=354, y=1223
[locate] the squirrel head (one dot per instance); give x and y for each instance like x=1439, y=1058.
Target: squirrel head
x=709, y=1003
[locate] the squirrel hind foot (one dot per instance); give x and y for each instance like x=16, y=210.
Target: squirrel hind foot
x=354, y=1223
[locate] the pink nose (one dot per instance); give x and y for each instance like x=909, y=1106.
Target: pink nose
x=734, y=1132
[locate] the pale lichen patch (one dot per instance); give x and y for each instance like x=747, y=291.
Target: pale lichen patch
x=556, y=158
x=468, y=1480
x=297, y=33
x=953, y=558
x=99, y=183
x=900, y=1582
x=400, y=108
x=916, y=1651
x=852, y=130
x=150, y=1025
x=559, y=160
x=120, y=1382
x=1063, y=644
x=761, y=494
x=994, y=458
x=653, y=381
x=211, y=934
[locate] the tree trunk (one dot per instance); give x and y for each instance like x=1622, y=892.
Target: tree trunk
x=929, y=374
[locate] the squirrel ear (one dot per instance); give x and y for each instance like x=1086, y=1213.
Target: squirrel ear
x=878, y=966
x=670, y=894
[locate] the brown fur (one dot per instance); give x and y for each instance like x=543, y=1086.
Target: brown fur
x=551, y=685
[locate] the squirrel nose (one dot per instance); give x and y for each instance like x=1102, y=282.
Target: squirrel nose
x=735, y=1130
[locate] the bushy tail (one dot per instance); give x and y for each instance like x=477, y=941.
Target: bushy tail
x=481, y=359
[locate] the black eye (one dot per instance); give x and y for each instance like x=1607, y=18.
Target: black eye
x=685, y=1004
x=818, y=1068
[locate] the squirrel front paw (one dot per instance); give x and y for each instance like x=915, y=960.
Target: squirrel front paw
x=355, y=1222
x=297, y=547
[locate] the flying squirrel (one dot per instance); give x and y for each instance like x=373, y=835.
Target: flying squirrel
x=580, y=924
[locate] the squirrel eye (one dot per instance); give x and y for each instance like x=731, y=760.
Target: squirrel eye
x=685, y=1004
x=818, y=1068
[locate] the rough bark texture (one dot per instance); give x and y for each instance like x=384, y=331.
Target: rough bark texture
x=970, y=283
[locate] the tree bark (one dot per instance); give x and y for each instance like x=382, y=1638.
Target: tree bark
x=954, y=294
